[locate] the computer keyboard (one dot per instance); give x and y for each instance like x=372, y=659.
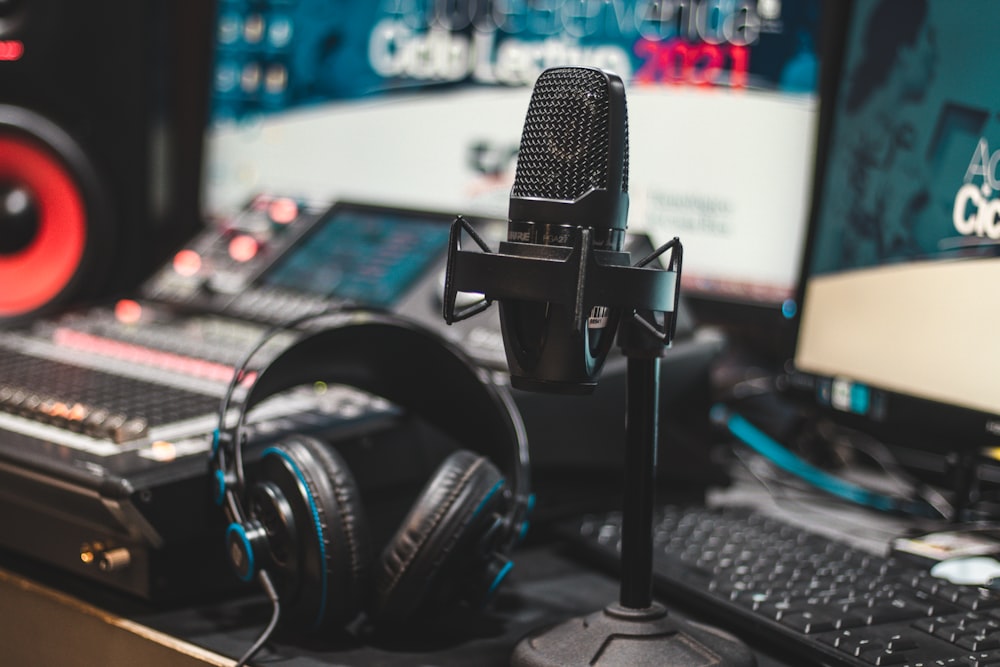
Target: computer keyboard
x=820, y=599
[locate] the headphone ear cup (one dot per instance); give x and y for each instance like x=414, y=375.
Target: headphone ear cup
x=434, y=550
x=323, y=579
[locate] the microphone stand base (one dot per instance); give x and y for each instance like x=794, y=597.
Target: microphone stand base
x=619, y=636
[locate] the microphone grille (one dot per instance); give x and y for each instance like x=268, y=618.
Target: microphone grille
x=566, y=142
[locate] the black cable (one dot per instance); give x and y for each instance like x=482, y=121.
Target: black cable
x=763, y=444
x=883, y=457
x=272, y=594
x=786, y=490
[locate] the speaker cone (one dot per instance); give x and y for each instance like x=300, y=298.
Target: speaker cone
x=51, y=231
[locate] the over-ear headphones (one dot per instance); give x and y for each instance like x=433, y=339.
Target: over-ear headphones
x=298, y=525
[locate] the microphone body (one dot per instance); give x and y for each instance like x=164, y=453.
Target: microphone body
x=571, y=175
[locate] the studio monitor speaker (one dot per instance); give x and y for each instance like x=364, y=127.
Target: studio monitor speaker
x=103, y=106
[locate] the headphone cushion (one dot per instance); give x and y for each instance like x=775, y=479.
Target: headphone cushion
x=331, y=579
x=429, y=543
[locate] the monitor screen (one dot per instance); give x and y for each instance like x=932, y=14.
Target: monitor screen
x=422, y=104
x=900, y=310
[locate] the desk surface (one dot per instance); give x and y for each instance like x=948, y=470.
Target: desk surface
x=52, y=618
x=66, y=623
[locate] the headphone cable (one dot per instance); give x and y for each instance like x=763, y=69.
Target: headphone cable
x=272, y=594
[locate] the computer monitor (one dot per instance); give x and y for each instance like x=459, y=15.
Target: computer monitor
x=900, y=305
x=422, y=104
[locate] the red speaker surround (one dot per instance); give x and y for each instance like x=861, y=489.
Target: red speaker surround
x=56, y=248
x=103, y=106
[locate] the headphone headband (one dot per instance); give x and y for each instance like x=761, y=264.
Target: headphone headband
x=407, y=364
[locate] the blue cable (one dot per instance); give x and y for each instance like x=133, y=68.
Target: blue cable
x=764, y=445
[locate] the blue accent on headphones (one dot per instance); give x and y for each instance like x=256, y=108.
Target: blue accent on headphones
x=526, y=524
x=220, y=488
x=247, y=549
x=216, y=436
x=497, y=580
x=492, y=492
x=314, y=511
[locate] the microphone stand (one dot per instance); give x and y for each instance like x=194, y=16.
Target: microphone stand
x=635, y=631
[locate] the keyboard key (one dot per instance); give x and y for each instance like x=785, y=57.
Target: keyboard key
x=808, y=622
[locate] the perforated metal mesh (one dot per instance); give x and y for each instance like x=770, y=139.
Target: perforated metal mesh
x=564, y=145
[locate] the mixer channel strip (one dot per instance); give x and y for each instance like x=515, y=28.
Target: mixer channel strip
x=92, y=402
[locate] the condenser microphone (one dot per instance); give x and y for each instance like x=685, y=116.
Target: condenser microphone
x=571, y=179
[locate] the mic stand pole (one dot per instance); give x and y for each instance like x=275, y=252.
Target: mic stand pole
x=641, y=435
